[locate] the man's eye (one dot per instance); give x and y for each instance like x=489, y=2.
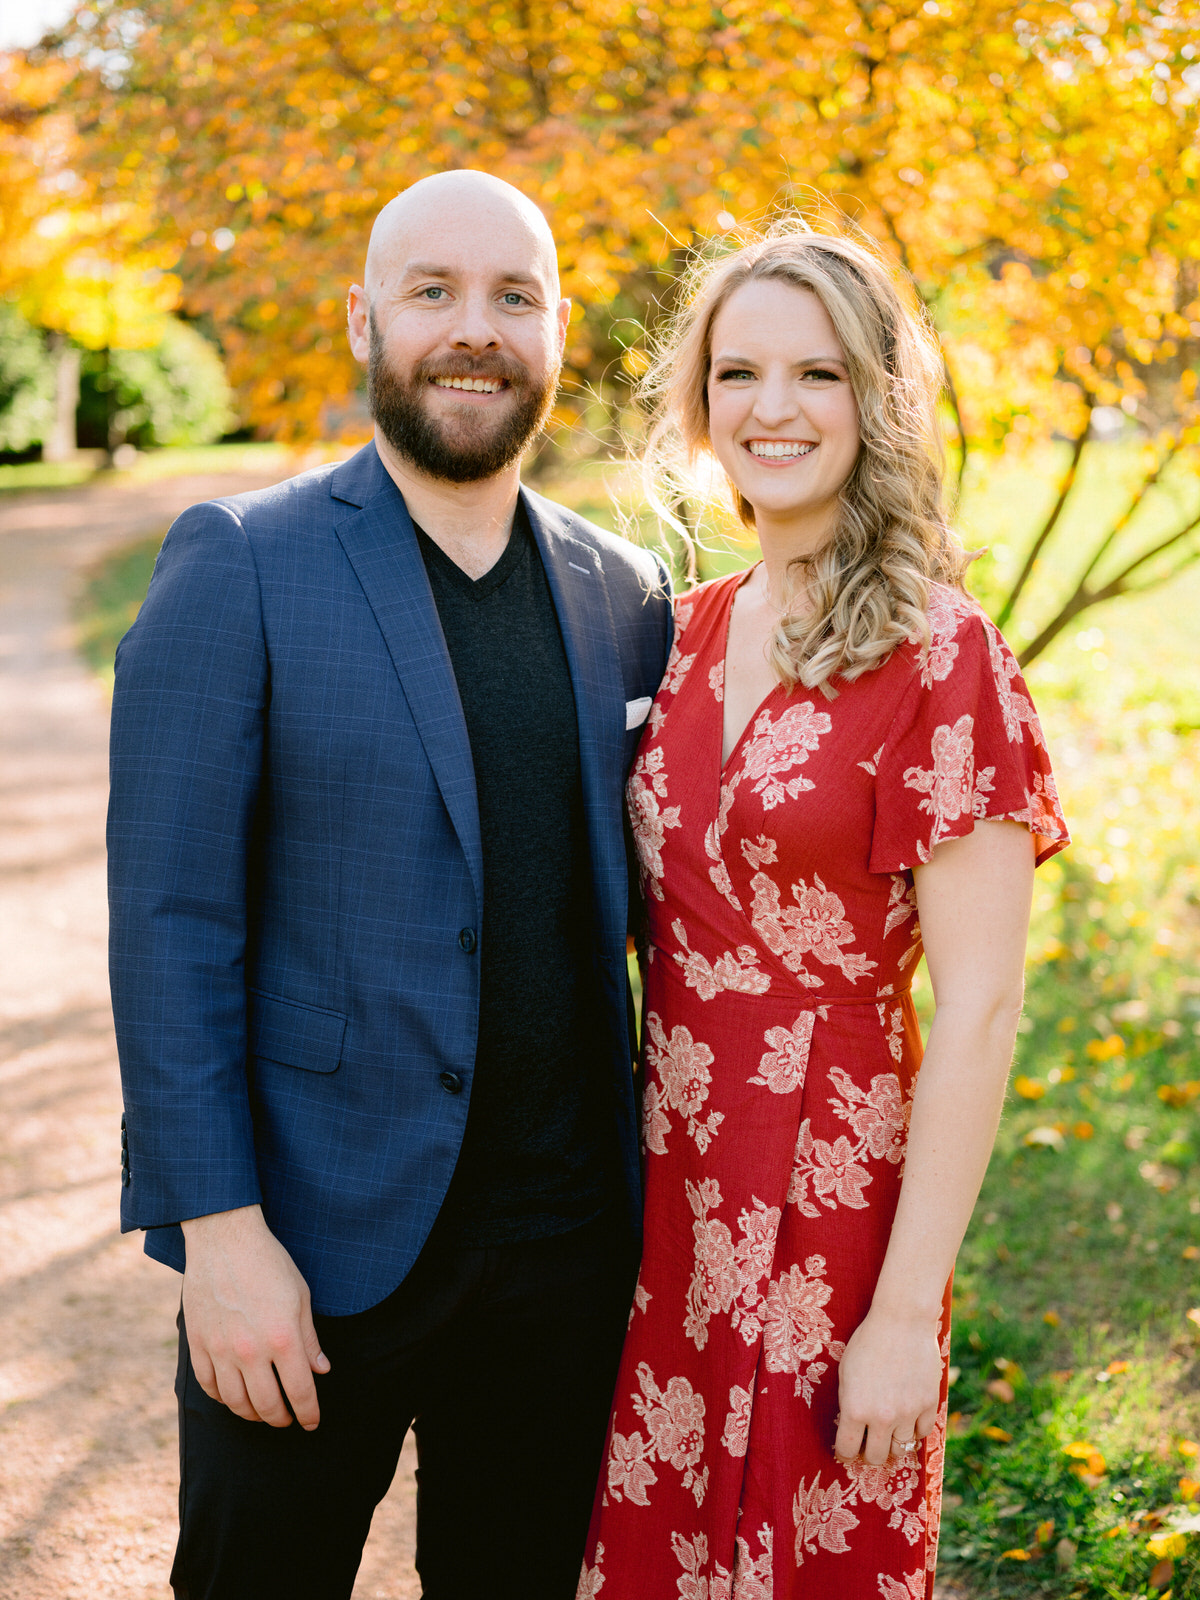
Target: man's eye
x=433, y=292
x=512, y=298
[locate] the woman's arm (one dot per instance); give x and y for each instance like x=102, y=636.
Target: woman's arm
x=973, y=898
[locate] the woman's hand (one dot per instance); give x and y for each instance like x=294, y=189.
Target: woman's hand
x=889, y=1387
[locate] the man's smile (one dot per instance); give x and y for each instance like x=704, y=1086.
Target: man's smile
x=471, y=385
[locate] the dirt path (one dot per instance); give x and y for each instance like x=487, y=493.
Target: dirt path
x=88, y=1471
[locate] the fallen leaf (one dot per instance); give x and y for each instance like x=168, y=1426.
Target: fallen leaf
x=1001, y=1389
x=997, y=1433
x=1117, y=1366
x=1167, y=1545
x=1065, y=1552
x=1045, y=1531
x=1161, y=1573
x=1028, y=1088
x=1014, y=1555
x=1046, y=1138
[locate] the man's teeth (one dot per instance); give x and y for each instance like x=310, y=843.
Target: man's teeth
x=475, y=385
x=779, y=447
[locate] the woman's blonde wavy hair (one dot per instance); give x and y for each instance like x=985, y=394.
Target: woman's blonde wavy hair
x=867, y=589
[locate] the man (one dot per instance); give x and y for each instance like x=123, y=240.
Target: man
x=369, y=908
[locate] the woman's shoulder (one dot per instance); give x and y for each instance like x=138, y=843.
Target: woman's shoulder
x=960, y=631
x=694, y=605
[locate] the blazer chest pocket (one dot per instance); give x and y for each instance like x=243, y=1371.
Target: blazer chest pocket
x=295, y=1034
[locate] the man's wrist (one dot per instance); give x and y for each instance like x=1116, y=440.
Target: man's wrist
x=221, y=1221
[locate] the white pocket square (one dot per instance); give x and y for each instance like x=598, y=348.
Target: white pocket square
x=636, y=711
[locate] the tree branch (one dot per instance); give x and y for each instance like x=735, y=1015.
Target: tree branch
x=1084, y=598
x=1066, y=484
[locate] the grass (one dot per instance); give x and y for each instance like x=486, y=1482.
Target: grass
x=26, y=476
x=1072, y=1461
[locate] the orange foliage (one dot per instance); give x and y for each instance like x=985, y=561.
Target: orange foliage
x=1037, y=175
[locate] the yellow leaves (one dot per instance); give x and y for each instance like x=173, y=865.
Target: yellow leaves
x=1165, y=1546
x=1015, y=1555
x=1189, y=1488
x=1044, y=1532
x=1105, y=1049
x=1082, y=1130
x=1188, y=1447
x=1179, y=1094
x=1028, y=1088
x=1051, y=1318
x=999, y=1434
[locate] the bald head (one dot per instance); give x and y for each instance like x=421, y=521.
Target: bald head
x=474, y=209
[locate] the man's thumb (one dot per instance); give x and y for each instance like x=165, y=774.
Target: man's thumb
x=317, y=1359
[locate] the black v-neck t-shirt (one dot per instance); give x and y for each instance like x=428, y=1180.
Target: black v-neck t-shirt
x=540, y=1140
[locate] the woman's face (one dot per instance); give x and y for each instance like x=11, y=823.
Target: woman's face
x=782, y=416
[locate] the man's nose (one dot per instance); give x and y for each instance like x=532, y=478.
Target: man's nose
x=475, y=326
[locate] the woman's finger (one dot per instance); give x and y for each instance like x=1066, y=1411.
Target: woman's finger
x=849, y=1440
x=879, y=1443
x=927, y=1421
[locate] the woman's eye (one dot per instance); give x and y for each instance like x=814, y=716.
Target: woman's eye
x=823, y=374
x=733, y=373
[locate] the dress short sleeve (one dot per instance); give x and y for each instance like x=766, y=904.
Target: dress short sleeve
x=965, y=745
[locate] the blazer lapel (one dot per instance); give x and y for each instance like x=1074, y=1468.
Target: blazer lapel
x=576, y=579
x=377, y=535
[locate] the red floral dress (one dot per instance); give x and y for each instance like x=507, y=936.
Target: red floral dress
x=781, y=1053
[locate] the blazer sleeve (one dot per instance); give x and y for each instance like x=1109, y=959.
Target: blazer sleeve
x=189, y=703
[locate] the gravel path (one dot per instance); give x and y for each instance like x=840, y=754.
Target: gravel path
x=88, y=1470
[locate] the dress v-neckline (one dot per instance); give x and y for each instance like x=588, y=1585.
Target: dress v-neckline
x=724, y=762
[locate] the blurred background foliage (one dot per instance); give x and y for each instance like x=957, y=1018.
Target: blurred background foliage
x=1036, y=168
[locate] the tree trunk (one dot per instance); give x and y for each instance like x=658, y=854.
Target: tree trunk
x=60, y=445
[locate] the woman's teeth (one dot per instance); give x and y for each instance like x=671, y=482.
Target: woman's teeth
x=476, y=385
x=779, y=447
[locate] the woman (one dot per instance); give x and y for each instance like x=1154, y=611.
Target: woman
x=842, y=745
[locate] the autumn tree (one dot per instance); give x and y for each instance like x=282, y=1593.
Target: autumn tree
x=84, y=270
x=1035, y=168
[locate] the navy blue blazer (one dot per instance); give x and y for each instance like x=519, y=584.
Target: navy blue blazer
x=296, y=879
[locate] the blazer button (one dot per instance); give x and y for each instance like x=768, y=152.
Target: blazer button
x=451, y=1082
x=467, y=939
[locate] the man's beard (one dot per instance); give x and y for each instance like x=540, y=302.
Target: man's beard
x=470, y=448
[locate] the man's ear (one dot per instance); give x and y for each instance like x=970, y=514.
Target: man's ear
x=358, y=323
x=564, y=319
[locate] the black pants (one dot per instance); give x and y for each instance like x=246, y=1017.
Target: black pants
x=502, y=1361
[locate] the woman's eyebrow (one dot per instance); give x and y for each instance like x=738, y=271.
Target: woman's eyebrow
x=733, y=359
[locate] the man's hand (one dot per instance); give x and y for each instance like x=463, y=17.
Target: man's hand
x=249, y=1320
